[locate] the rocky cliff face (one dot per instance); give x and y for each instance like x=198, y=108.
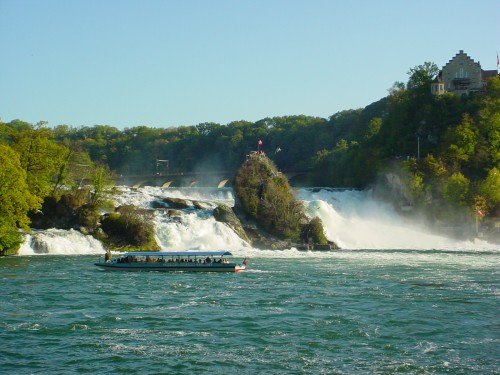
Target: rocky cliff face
x=270, y=213
x=264, y=194
x=225, y=214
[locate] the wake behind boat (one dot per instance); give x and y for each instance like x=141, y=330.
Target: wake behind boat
x=192, y=261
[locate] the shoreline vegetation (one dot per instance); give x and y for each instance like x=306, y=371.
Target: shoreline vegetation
x=437, y=157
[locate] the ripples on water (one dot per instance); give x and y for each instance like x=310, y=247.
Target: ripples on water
x=353, y=313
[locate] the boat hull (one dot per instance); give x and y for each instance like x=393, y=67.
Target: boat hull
x=167, y=267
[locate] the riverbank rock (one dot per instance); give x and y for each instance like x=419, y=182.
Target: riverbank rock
x=178, y=203
x=158, y=204
x=262, y=240
x=174, y=213
x=129, y=228
x=225, y=214
x=201, y=205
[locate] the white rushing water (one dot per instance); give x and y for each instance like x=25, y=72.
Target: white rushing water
x=352, y=219
x=59, y=242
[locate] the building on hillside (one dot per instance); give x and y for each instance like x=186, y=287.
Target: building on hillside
x=461, y=76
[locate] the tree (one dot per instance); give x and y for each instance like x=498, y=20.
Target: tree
x=373, y=128
x=396, y=88
x=40, y=157
x=490, y=188
x=16, y=200
x=456, y=189
x=101, y=184
x=315, y=232
x=422, y=75
x=75, y=168
x=462, y=140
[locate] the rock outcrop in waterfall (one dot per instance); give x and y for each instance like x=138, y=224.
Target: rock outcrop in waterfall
x=272, y=216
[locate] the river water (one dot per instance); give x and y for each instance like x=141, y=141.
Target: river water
x=353, y=312
x=398, y=298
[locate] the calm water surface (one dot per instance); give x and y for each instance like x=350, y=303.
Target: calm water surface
x=370, y=312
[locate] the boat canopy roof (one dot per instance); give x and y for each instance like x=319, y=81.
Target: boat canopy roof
x=179, y=253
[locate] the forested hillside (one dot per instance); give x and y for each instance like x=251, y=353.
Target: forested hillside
x=444, y=148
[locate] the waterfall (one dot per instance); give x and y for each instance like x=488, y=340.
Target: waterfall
x=352, y=219
x=195, y=229
x=59, y=242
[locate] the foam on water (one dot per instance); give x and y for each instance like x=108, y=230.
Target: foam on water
x=352, y=219
x=196, y=231
x=59, y=242
x=143, y=197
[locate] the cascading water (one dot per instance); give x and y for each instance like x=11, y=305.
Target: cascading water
x=60, y=242
x=195, y=229
x=352, y=219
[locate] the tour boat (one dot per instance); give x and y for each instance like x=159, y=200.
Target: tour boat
x=192, y=261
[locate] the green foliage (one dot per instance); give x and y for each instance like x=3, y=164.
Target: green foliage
x=314, y=231
x=373, y=128
x=490, y=188
x=416, y=185
x=265, y=195
x=10, y=239
x=41, y=157
x=101, y=184
x=16, y=200
x=462, y=140
x=421, y=76
x=349, y=149
x=75, y=169
x=433, y=168
x=456, y=189
x=87, y=216
x=131, y=227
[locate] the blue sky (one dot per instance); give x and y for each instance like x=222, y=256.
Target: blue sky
x=181, y=62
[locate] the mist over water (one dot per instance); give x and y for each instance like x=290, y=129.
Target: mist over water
x=352, y=219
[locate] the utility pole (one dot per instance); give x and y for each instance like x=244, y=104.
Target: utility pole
x=418, y=147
